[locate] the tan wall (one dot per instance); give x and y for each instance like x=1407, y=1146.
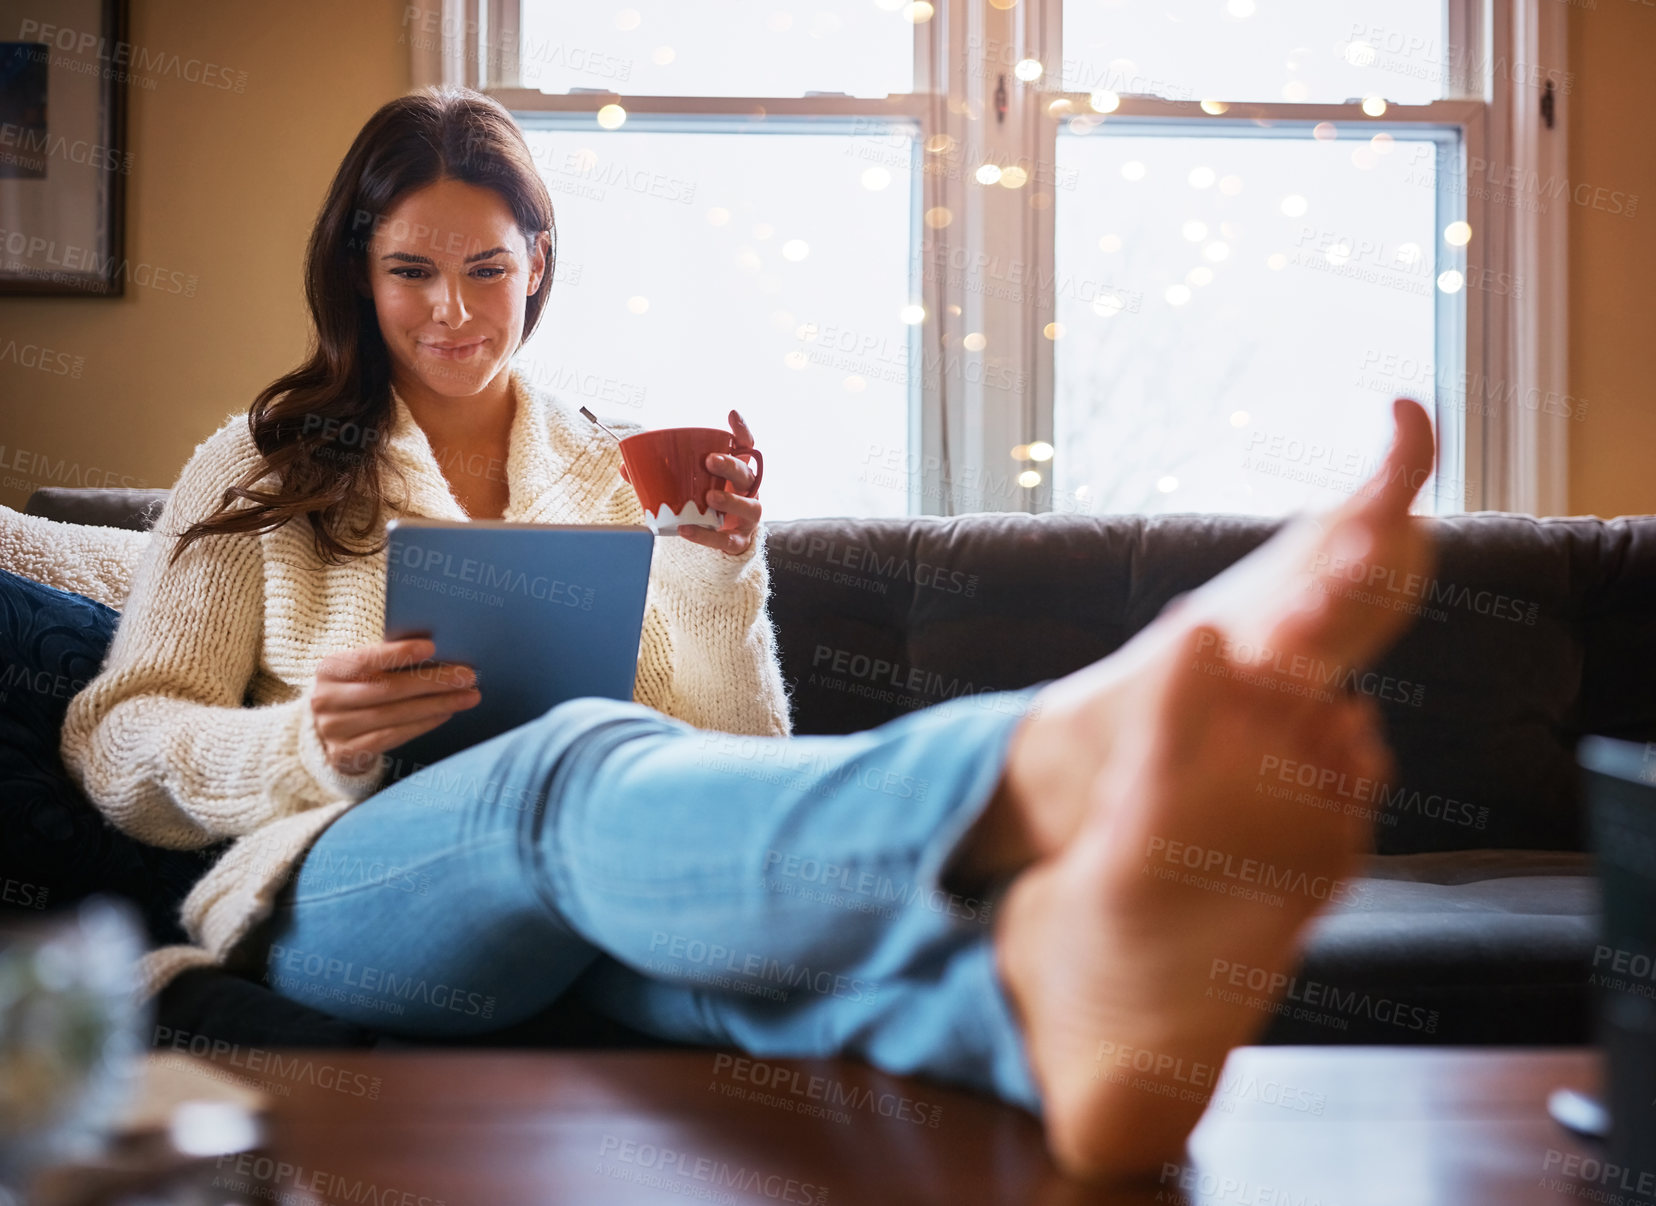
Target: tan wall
x=223, y=187
x=1613, y=259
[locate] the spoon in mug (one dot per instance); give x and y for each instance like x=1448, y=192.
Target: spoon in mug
x=600, y=423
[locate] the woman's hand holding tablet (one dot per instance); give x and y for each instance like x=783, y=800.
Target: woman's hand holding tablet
x=372, y=698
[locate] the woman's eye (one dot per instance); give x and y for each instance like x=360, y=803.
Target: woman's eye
x=490, y=272
x=409, y=274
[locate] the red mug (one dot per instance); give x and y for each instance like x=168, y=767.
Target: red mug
x=668, y=469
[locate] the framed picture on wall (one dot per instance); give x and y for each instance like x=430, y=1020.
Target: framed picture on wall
x=64, y=67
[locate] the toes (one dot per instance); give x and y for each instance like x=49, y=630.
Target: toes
x=1408, y=462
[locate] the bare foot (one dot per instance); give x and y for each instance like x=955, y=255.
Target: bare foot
x=1322, y=597
x=1109, y=950
x=1140, y=783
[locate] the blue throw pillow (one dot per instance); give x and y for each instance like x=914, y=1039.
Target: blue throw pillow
x=55, y=846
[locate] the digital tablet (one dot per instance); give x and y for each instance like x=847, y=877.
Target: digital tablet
x=544, y=613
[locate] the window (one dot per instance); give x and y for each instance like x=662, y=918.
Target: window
x=1081, y=255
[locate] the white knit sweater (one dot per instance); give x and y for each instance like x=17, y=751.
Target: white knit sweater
x=198, y=726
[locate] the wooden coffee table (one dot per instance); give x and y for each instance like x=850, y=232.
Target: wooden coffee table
x=1329, y=1125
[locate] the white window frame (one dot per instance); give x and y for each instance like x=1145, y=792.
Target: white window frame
x=1511, y=456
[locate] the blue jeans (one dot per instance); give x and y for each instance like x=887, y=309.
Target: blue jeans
x=783, y=896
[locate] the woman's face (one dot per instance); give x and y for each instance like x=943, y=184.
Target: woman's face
x=450, y=274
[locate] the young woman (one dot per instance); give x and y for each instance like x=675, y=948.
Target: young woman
x=638, y=846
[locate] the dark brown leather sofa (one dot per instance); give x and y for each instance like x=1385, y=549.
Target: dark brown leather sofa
x=1476, y=922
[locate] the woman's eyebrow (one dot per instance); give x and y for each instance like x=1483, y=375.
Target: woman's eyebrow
x=408, y=257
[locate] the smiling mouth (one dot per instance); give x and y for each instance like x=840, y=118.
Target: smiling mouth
x=454, y=351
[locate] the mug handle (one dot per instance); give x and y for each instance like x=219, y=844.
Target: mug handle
x=758, y=469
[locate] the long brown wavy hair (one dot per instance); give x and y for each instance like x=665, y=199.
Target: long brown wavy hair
x=317, y=428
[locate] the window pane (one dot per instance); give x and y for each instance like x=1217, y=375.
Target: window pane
x=765, y=271
x=1316, y=51
x=1237, y=314
x=732, y=48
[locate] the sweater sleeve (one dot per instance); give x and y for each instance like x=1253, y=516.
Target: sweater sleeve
x=161, y=740
x=717, y=667
x=88, y=559
x=708, y=654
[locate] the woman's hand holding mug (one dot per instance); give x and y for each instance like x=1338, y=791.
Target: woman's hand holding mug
x=741, y=511
x=669, y=483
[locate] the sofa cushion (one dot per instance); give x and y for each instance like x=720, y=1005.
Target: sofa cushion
x=58, y=848
x=1490, y=946
x=110, y=508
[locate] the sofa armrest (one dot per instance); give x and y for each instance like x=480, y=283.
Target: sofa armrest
x=111, y=508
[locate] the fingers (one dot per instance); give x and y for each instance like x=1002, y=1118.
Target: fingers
x=733, y=542
x=739, y=512
x=351, y=665
x=382, y=687
x=380, y=673
x=348, y=725
x=1408, y=462
x=359, y=755
x=733, y=468
x=739, y=429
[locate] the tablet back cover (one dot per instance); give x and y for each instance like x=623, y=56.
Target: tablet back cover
x=543, y=613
